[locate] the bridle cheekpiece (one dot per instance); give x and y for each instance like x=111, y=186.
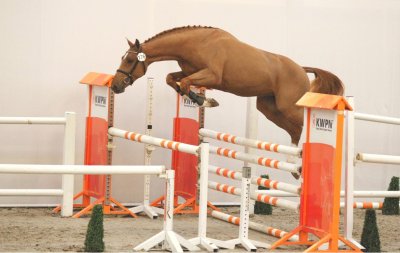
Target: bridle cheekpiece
x=141, y=57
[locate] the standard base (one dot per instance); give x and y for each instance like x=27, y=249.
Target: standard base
x=117, y=208
x=206, y=243
x=150, y=211
x=249, y=245
x=325, y=243
x=170, y=240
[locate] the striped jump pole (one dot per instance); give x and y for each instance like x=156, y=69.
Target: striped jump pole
x=365, y=205
x=243, y=238
x=267, y=162
x=252, y=225
x=182, y=147
x=259, y=197
x=272, y=184
x=263, y=145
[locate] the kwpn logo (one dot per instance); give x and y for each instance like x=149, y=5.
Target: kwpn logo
x=100, y=101
x=322, y=123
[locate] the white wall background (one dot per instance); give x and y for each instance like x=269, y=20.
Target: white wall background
x=47, y=46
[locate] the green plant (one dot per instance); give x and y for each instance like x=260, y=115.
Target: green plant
x=391, y=205
x=95, y=231
x=370, y=234
x=261, y=207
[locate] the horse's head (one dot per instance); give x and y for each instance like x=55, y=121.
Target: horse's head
x=133, y=66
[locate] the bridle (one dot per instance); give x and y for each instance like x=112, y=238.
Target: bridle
x=141, y=57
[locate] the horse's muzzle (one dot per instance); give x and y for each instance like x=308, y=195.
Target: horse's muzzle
x=117, y=90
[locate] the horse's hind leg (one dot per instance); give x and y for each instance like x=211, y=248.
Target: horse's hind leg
x=267, y=106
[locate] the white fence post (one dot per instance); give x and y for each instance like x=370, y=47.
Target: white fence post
x=68, y=159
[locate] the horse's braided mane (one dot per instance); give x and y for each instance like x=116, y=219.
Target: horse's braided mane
x=178, y=29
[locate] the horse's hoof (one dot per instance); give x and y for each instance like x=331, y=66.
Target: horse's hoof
x=210, y=102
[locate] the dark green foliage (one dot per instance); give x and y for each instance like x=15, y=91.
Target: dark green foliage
x=370, y=235
x=391, y=205
x=260, y=207
x=95, y=232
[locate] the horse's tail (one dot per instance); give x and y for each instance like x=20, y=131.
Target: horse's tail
x=325, y=82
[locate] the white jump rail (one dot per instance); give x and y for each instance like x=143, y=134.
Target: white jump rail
x=262, y=145
x=356, y=194
x=33, y=120
x=255, y=159
x=375, y=158
x=68, y=171
x=69, y=123
x=351, y=117
x=236, y=175
x=377, y=118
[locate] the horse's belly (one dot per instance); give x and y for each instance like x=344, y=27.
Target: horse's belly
x=247, y=88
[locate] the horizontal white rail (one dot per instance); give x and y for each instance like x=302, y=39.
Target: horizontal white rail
x=182, y=147
x=267, y=162
x=263, y=145
x=33, y=120
x=31, y=192
x=376, y=118
x=236, y=175
x=374, y=158
x=356, y=194
x=79, y=169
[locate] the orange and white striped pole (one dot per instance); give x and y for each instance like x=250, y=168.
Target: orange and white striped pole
x=262, y=145
x=259, y=197
x=255, y=159
x=272, y=184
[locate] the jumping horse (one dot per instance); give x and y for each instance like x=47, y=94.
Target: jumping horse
x=213, y=58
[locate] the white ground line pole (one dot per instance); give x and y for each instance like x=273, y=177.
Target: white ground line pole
x=68, y=159
x=150, y=211
x=168, y=237
x=243, y=239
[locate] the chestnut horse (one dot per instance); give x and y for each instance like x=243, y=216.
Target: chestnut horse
x=213, y=58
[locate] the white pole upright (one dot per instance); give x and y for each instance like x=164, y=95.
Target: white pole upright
x=201, y=239
x=167, y=237
x=150, y=211
x=243, y=239
x=349, y=175
x=251, y=133
x=68, y=159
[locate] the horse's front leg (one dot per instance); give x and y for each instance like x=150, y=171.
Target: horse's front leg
x=203, y=78
x=172, y=80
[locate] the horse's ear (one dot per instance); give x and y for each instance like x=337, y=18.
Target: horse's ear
x=137, y=44
x=130, y=43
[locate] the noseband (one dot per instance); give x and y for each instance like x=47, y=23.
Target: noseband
x=141, y=57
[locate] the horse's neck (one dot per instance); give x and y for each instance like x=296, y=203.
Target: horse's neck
x=162, y=49
x=159, y=51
